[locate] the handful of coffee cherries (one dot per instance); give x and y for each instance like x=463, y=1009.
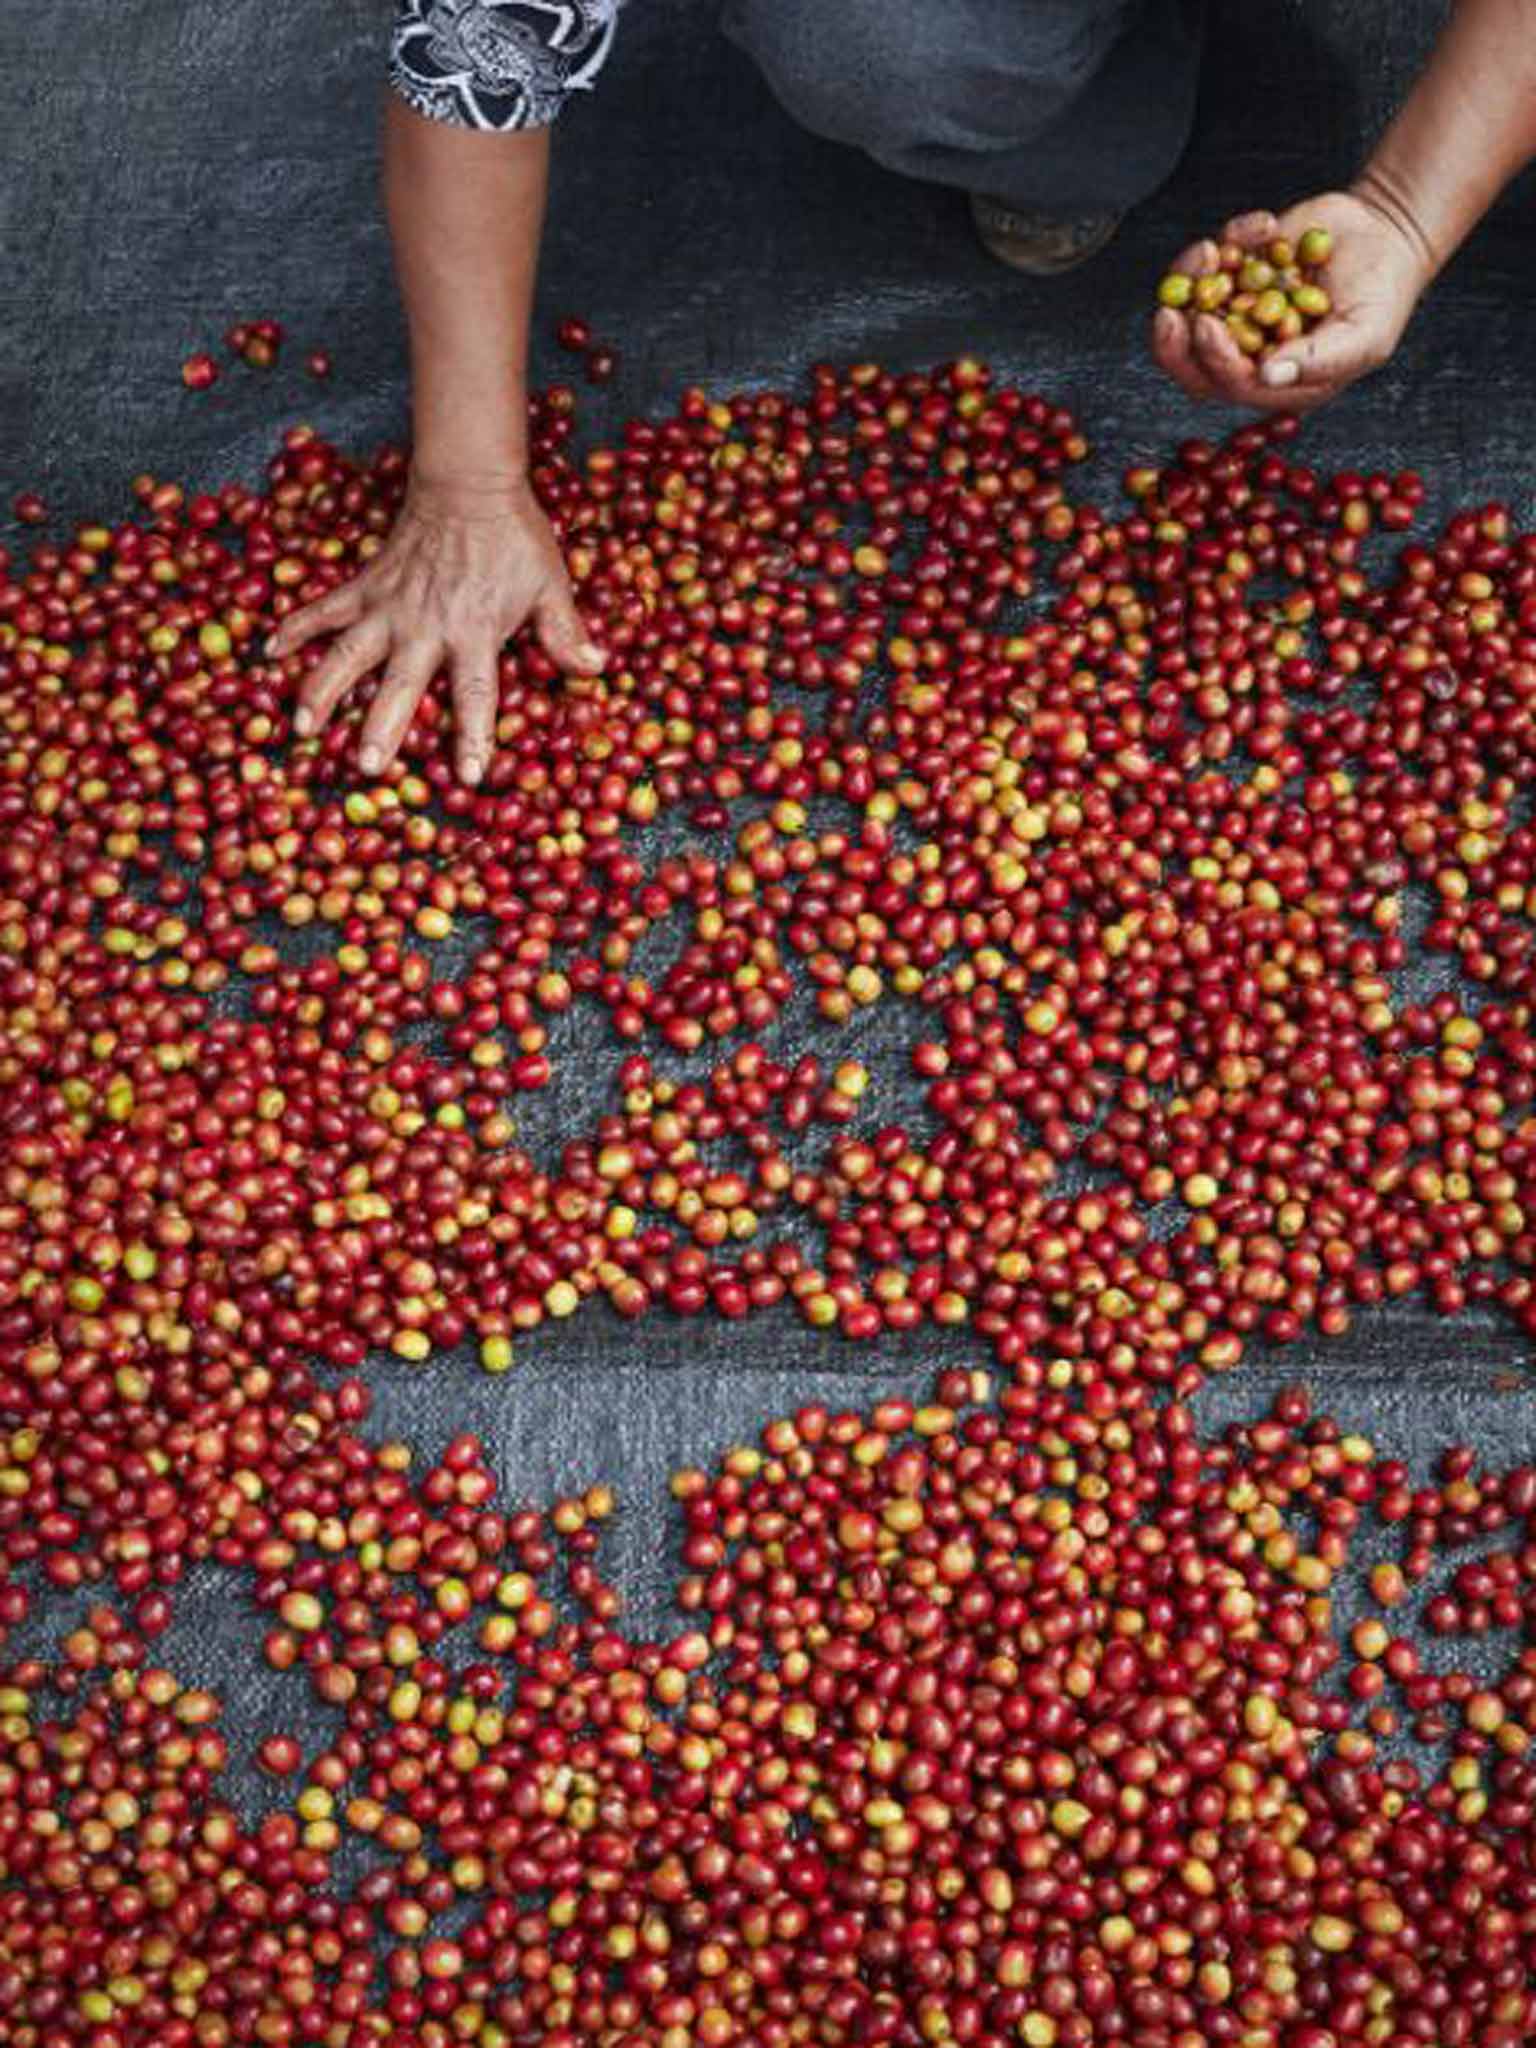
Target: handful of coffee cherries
x=1265, y=297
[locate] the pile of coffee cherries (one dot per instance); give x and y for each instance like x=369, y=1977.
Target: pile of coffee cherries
x=994, y=911
x=1266, y=296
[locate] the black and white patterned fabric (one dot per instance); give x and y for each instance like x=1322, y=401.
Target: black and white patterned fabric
x=498, y=64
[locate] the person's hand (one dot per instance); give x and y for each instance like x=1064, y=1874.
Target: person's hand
x=466, y=565
x=1375, y=275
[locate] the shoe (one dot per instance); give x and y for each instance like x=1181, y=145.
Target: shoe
x=1040, y=244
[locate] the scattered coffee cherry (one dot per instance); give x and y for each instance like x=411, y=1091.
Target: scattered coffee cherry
x=574, y=336
x=256, y=342
x=600, y=365
x=199, y=372
x=281, y=1755
x=318, y=363
x=30, y=508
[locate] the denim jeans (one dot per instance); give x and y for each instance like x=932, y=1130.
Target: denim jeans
x=1060, y=106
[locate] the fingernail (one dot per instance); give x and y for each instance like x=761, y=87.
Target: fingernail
x=472, y=771
x=303, y=721
x=270, y=648
x=370, y=760
x=1280, y=374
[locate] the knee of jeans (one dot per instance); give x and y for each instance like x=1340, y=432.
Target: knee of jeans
x=842, y=71
x=895, y=81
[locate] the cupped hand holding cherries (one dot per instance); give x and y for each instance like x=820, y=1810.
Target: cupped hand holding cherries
x=1285, y=310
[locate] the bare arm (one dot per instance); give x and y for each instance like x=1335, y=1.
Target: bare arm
x=1464, y=131
x=472, y=556
x=466, y=211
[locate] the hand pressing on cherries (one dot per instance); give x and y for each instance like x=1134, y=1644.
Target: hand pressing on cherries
x=466, y=565
x=1376, y=270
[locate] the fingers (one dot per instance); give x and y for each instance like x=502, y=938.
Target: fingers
x=1234, y=376
x=1248, y=228
x=453, y=586
x=1332, y=355
x=347, y=663
x=1223, y=362
x=1199, y=259
x=329, y=614
x=562, y=633
x=1173, y=350
x=476, y=692
x=411, y=668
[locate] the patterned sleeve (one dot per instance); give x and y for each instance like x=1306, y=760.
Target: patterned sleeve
x=498, y=64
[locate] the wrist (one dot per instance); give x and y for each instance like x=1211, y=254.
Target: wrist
x=448, y=489
x=466, y=434
x=1392, y=198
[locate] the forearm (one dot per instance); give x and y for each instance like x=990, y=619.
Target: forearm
x=466, y=210
x=1466, y=128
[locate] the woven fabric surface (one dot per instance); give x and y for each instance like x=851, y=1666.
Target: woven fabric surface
x=172, y=167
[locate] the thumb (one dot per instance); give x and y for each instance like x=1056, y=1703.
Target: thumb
x=564, y=636
x=1335, y=353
